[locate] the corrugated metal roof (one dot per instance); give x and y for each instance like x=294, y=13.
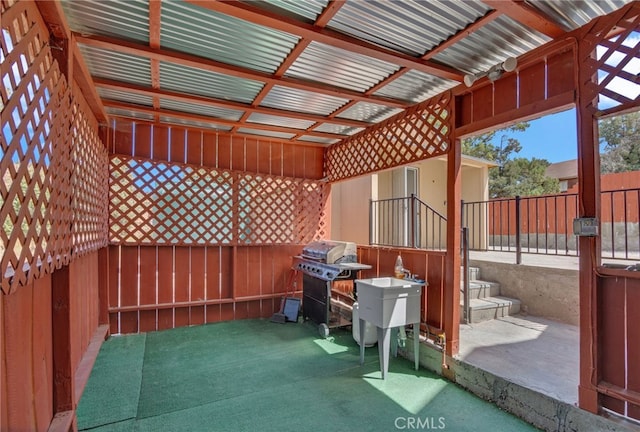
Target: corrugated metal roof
x=291, y=99
x=338, y=129
x=341, y=68
x=274, y=120
x=319, y=140
x=330, y=63
x=129, y=113
x=201, y=82
x=196, y=108
x=272, y=134
x=212, y=35
x=491, y=45
x=368, y=112
x=408, y=27
x=117, y=66
x=124, y=96
x=416, y=86
x=128, y=19
x=194, y=123
x=309, y=9
x=571, y=17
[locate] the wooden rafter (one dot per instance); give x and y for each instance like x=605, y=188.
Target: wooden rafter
x=526, y=15
x=155, y=11
x=202, y=118
x=132, y=48
x=57, y=24
x=208, y=101
x=323, y=19
x=265, y=18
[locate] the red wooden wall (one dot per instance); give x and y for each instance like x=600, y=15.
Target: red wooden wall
x=27, y=330
x=194, y=285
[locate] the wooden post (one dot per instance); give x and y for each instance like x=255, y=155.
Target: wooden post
x=452, y=264
x=63, y=373
x=588, y=247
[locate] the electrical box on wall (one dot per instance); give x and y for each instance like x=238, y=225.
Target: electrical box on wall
x=585, y=227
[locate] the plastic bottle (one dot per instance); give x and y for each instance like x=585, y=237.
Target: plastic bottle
x=398, y=268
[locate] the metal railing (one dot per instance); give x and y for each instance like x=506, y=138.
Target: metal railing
x=406, y=222
x=544, y=224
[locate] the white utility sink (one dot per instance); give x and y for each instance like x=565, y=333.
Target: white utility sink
x=389, y=302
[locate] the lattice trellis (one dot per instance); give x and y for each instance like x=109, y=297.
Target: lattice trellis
x=154, y=202
x=41, y=207
x=421, y=132
x=617, y=61
x=90, y=185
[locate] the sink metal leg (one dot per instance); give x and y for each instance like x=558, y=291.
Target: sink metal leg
x=384, y=339
x=416, y=344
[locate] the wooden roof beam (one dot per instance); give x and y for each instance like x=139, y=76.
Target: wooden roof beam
x=133, y=48
x=215, y=120
x=526, y=15
x=250, y=13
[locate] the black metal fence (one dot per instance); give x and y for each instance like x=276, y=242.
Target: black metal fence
x=406, y=222
x=544, y=224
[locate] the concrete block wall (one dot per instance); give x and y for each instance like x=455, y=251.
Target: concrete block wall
x=534, y=407
x=545, y=292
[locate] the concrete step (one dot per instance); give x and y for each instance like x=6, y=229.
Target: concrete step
x=474, y=273
x=489, y=308
x=481, y=289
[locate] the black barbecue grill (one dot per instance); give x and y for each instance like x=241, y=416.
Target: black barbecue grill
x=321, y=264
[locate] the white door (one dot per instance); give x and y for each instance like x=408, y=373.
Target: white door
x=404, y=184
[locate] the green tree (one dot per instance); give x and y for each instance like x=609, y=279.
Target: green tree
x=513, y=176
x=620, y=143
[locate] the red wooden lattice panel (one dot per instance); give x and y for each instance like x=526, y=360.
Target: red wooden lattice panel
x=616, y=60
x=163, y=203
x=52, y=163
x=421, y=132
x=35, y=106
x=90, y=185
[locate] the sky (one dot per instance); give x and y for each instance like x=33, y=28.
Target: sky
x=553, y=137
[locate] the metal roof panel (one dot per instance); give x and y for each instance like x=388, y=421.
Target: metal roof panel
x=202, y=32
x=309, y=9
x=490, y=45
x=371, y=113
x=128, y=19
x=338, y=129
x=339, y=67
x=320, y=140
x=272, y=134
x=118, y=112
x=194, y=123
x=124, y=96
x=201, y=82
x=279, y=121
x=415, y=86
x=113, y=65
x=303, y=101
x=409, y=27
x=201, y=109
x=571, y=17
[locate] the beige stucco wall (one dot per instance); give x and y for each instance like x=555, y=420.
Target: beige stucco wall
x=350, y=198
x=350, y=209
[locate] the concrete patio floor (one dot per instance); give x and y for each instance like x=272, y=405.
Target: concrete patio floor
x=537, y=353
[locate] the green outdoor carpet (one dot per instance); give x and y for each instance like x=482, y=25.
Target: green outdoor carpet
x=255, y=375
x=112, y=392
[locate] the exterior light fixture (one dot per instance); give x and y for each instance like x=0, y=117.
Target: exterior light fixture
x=494, y=73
